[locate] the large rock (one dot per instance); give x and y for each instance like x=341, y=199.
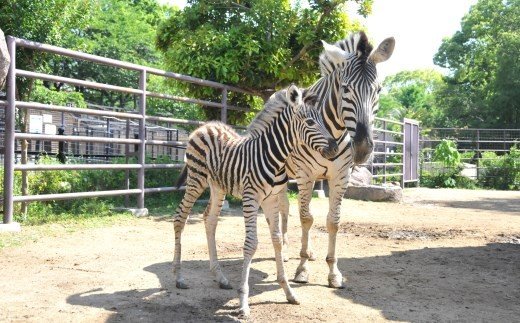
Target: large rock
x=374, y=193
x=360, y=176
x=4, y=60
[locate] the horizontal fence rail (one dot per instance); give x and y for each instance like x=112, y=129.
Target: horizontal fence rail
x=121, y=121
x=387, y=164
x=130, y=134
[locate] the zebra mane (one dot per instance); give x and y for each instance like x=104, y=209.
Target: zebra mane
x=356, y=43
x=272, y=108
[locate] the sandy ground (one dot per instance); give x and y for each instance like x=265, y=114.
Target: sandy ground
x=440, y=255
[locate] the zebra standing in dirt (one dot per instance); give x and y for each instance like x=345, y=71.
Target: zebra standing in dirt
x=251, y=166
x=348, y=96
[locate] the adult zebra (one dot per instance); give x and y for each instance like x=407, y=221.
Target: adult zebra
x=251, y=166
x=348, y=96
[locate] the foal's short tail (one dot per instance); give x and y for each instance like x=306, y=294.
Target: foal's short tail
x=182, y=177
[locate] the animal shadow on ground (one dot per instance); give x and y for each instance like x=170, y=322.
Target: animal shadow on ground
x=203, y=301
x=510, y=205
x=466, y=284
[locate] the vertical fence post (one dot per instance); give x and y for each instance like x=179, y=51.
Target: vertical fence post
x=9, y=155
x=142, y=146
x=223, y=111
x=127, y=154
x=478, y=154
x=384, y=149
x=403, y=152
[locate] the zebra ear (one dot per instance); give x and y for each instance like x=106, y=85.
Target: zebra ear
x=310, y=99
x=383, y=51
x=332, y=57
x=294, y=95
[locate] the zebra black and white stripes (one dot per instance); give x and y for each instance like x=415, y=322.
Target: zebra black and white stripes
x=251, y=166
x=348, y=95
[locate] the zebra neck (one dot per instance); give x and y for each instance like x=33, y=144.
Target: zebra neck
x=328, y=89
x=277, y=142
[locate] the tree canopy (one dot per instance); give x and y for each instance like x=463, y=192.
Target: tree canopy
x=257, y=45
x=413, y=94
x=483, y=89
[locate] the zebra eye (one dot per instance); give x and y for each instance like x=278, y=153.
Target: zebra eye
x=310, y=122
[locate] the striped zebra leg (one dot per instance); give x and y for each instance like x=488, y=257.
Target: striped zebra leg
x=194, y=189
x=270, y=207
x=250, y=209
x=305, y=186
x=210, y=221
x=337, y=188
x=283, y=202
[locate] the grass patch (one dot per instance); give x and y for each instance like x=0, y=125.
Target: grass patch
x=35, y=232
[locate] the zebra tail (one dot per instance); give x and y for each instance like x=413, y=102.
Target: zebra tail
x=182, y=177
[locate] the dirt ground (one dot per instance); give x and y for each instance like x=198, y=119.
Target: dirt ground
x=440, y=255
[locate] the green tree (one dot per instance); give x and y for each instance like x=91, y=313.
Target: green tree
x=484, y=86
x=259, y=46
x=118, y=29
x=412, y=94
x=45, y=21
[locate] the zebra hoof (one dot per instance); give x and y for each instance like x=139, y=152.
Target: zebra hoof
x=301, y=277
x=293, y=300
x=225, y=285
x=336, y=282
x=243, y=313
x=181, y=285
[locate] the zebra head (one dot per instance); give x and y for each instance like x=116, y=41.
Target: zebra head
x=308, y=123
x=350, y=65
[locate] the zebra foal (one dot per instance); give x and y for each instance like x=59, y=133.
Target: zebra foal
x=251, y=166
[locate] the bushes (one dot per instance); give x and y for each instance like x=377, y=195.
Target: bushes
x=50, y=182
x=494, y=172
x=501, y=172
x=449, y=174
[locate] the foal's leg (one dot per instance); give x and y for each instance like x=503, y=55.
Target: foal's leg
x=283, y=202
x=250, y=208
x=194, y=189
x=305, y=186
x=270, y=207
x=210, y=221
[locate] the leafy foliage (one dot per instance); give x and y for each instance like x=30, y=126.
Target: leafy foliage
x=45, y=21
x=259, y=46
x=483, y=89
x=502, y=172
x=412, y=94
x=446, y=152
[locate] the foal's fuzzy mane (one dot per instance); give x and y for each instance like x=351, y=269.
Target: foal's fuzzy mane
x=272, y=108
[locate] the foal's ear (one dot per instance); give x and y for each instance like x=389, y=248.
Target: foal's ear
x=294, y=95
x=310, y=99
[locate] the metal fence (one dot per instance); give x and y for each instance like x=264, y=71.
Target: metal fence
x=481, y=149
x=94, y=135
x=105, y=137
x=395, y=152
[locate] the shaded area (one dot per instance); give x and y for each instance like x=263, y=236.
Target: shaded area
x=510, y=205
x=438, y=284
x=168, y=304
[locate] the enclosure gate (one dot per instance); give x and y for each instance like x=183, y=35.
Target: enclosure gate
x=411, y=151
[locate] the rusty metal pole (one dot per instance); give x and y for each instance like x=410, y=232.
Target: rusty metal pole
x=9, y=155
x=142, y=146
